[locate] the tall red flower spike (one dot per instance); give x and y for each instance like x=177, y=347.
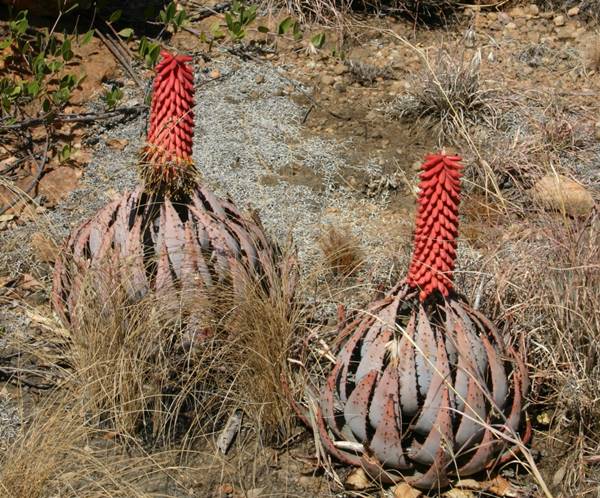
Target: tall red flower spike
x=171, y=233
x=437, y=225
x=422, y=388
x=167, y=161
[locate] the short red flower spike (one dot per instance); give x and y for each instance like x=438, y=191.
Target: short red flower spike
x=168, y=153
x=437, y=225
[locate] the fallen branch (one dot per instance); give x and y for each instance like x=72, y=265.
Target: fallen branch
x=74, y=118
x=120, y=52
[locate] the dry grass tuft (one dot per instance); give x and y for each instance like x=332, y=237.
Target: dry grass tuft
x=174, y=365
x=324, y=12
x=152, y=368
x=341, y=250
x=262, y=327
x=58, y=454
x=589, y=10
x=548, y=288
x=366, y=74
x=447, y=96
x=337, y=12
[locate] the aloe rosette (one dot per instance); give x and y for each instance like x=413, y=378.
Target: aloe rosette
x=171, y=232
x=424, y=388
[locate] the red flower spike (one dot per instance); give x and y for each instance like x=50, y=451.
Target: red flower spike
x=167, y=163
x=437, y=225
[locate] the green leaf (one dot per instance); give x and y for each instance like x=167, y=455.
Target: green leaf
x=318, y=40
x=152, y=55
x=87, y=37
x=53, y=47
x=216, y=31
x=171, y=9
x=61, y=96
x=65, y=50
x=65, y=153
x=126, y=32
x=297, y=32
x=46, y=105
x=67, y=81
x=263, y=29
x=115, y=16
x=20, y=24
x=5, y=104
x=248, y=15
x=5, y=43
x=180, y=18
x=113, y=96
x=54, y=66
x=285, y=26
x=16, y=91
x=229, y=21
x=143, y=48
x=33, y=88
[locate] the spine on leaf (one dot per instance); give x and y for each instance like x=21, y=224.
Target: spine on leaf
x=437, y=225
x=167, y=161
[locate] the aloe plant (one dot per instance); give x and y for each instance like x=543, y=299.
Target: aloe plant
x=424, y=387
x=170, y=233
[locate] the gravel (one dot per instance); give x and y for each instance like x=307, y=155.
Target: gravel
x=10, y=421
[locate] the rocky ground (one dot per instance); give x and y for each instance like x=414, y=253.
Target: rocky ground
x=314, y=142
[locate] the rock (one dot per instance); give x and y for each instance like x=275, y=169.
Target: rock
x=58, y=182
x=117, y=143
x=259, y=79
x=533, y=9
x=559, y=20
x=559, y=193
x=214, y=74
x=224, y=490
x=566, y=33
x=517, y=12
x=340, y=69
x=573, y=11
x=340, y=87
x=504, y=18
x=597, y=131
x=327, y=79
